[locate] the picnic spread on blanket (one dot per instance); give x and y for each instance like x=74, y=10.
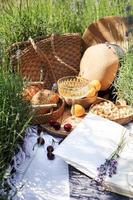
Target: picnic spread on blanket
x=76, y=118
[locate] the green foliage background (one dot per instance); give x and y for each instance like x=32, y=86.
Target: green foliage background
x=23, y=18
x=20, y=19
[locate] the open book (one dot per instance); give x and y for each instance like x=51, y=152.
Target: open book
x=93, y=141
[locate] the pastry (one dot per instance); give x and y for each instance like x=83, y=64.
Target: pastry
x=44, y=96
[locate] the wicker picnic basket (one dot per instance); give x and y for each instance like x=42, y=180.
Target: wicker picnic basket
x=46, y=59
x=119, y=120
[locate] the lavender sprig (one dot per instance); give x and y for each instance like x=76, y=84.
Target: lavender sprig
x=54, y=87
x=109, y=167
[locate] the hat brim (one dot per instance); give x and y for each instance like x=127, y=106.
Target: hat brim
x=112, y=29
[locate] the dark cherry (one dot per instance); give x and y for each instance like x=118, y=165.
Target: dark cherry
x=50, y=148
x=68, y=127
x=50, y=156
x=57, y=126
x=52, y=122
x=40, y=141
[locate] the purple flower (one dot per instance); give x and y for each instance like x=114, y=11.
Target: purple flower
x=109, y=167
x=54, y=87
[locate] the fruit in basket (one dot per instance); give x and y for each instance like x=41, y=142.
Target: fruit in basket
x=100, y=62
x=40, y=141
x=96, y=84
x=91, y=92
x=39, y=129
x=50, y=156
x=77, y=110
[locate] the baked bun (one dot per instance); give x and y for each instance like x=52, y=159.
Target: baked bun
x=44, y=97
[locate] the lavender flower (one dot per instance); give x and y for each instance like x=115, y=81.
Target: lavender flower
x=109, y=167
x=77, y=5
x=55, y=87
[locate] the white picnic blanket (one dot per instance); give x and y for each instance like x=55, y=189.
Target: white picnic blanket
x=38, y=178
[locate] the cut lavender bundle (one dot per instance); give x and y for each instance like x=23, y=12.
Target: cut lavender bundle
x=109, y=167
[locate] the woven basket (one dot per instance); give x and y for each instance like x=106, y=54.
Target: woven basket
x=122, y=121
x=47, y=58
x=52, y=115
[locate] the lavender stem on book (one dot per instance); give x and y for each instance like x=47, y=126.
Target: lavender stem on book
x=109, y=167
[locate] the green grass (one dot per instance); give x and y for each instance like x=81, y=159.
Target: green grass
x=13, y=116
x=124, y=82
x=32, y=18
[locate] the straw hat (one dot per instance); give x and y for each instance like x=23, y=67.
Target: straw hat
x=100, y=62
x=112, y=29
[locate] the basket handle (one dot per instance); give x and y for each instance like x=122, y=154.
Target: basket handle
x=50, y=105
x=35, y=108
x=42, y=56
x=19, y=45
x=57, y=57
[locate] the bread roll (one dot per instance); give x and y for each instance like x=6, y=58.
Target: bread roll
x=44, y=97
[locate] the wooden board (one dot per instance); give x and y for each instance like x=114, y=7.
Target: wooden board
x=66, y=117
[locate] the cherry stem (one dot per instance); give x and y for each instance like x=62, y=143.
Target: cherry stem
x=53, y=142
x=34, y=146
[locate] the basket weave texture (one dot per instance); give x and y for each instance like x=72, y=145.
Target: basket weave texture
x=47, y=58
x=120, y=120
x=52, y=115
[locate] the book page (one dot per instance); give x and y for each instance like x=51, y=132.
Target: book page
x=93, y=141
x=122, y=182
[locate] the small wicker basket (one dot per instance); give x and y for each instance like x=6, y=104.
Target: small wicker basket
x=53, y=114
x=120, y=120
